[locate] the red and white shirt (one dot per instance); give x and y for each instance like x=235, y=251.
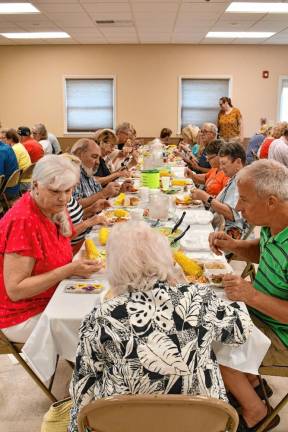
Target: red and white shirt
x=25, y=230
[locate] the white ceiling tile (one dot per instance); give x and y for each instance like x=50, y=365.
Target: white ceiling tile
x=247, y=41
x=53, y=1
x=242, y=26
x=71, y=19
x=155, y=37
x=60, y=7
x=185, y=38
x=155, y=7
x=204, y=7
x=117, y=16
x=272, y=27
x=87, y=31
x=106, y=7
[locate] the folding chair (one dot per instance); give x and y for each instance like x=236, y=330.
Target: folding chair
x=13, y=180
x=281, y=371
x=2, y=181
x=27, y=173
x=158, y=413
x=8, y=347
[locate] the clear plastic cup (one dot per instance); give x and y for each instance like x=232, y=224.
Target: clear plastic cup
x=165, y=182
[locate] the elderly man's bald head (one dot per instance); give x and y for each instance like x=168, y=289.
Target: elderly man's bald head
x=89, y=153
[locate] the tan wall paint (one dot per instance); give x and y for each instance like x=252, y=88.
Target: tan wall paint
x=31, y=80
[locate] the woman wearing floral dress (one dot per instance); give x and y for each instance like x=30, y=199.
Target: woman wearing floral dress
x=155, y=335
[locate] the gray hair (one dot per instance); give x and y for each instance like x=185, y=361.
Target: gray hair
x=137, y=256
x=124, y=127
x=269, y=177
x=211, y=126
x=41, y=130
x=81, y=145
x=56, y=171
x=60, y=173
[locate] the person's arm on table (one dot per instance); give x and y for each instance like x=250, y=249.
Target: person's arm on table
x=216, y=205
x=20, y=284
x=237, y=289
x=113, y=176
x=197, y=178
x=112, y=189
x=89, y=223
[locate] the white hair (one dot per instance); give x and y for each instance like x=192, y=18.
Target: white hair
x=61, y=173
x=137, y=256
x=211, y=126
x=56, y=171
x=269, y=178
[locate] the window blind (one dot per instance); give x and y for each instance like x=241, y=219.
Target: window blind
x=200, y=100
x=89, y=104
x=284, y=100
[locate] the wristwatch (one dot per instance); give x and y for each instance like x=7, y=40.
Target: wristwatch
x=209, y=201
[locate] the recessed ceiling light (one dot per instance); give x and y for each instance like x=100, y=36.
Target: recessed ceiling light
x=258, y=7
x=232, y=35
x=36, y=35
x=17, y=8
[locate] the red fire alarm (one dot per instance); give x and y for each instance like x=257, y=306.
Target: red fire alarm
x=265, y=74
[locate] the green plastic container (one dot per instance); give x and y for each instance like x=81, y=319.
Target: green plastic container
x=150, y=178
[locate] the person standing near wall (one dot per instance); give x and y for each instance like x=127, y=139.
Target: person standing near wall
x=230, y=124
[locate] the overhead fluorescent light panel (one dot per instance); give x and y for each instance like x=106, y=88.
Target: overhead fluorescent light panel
x=254, y=7
x=36, y=35
x=17, y=8
x=244, y=35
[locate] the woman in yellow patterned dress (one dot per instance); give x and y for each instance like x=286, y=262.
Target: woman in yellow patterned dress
x=229, y=121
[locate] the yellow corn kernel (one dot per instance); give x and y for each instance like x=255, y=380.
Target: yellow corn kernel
x=103, y=235
x=120, y=213
x=91, y=250
x=189, y=266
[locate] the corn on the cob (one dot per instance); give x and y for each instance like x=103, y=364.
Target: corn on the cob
x=179, y=182
x=120, y=213
x=120, y=199
x=91, y=250
x=189, y=266
x=103, y=235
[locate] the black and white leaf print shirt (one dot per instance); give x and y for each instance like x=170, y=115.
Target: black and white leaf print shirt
x=158, y=341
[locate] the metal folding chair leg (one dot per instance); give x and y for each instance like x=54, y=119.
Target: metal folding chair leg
x=35, y=377
x=273, y=413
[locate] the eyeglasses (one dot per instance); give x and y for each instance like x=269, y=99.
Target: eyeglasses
x=205, y=131
x=209, y=158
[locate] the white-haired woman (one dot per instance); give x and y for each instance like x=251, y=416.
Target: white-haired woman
x=35, y=250
x=153, y=336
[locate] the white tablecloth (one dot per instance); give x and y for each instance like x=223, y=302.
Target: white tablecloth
x=58, y=328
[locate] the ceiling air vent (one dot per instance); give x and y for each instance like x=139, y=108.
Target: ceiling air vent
x=114, y=23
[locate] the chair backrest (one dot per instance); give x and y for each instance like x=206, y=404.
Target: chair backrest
x=2, y=180
x=158, y=413
x=27, y=173
x=12, y=181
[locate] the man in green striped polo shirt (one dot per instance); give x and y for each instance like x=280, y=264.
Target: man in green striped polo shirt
x=263, y=201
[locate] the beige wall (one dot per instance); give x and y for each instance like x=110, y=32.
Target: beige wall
x=31, y=80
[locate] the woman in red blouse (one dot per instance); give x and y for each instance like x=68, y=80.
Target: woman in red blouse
x=215, y=179
x=35, y=250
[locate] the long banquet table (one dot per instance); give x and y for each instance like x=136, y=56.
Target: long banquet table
x=56, y=332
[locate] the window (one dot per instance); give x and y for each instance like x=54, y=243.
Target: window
x=283, y=99
x=199, y=99
x=89, y=104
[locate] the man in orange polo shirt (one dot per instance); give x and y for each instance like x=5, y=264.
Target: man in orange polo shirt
x=33, y=147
